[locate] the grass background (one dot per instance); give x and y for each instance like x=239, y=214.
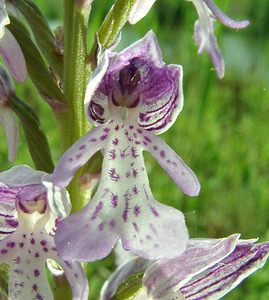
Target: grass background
x=222, y=133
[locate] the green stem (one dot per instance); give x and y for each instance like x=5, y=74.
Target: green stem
x=74, y=123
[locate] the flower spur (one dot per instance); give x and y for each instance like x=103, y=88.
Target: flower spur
x=30, y=208
x=131, y=97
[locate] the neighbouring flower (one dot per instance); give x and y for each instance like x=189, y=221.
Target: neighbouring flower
x=204, y=28
x=140, y=10
x=30, y=209
x=131, y=97
x=208, y=269
x=10, y=50
x=7, y=116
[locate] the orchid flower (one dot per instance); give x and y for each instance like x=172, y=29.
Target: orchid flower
x=208, y=269
x=140, y=10
x=204, y=34
x=7, y=117
x=10, y=50
x=131, y=97
x=30, y=208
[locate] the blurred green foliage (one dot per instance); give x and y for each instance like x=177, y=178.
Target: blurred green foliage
x=222, y=133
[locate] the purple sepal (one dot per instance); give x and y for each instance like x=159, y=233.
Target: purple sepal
x=207, y=270
x=165, y=277
x=220, y=279
x=13, y=57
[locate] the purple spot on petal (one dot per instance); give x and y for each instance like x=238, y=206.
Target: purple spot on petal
x=78, y=156
x=70, y=159
x=36, y=272
x=134, y=152
x=135, y=173
x=117, y=127
x=82, y=147
x=135, y=190
x=32, y=241
x=43, y=242
x=139, y=130
x=21, y=244
x=68, y=263
x=4, y=251
x=97, y=210
x=45, y=249
x=162, y=153
x=35, y=288
x=106, y=130
x=135, y=226
x=17, y=260
x=114, y=200
x=76, y=275
x=103, y=137
x=147, y=139
x=37, y=254
x=112, y=154
x=113, y=174
x=137, y=210
x=101, y=226
x=11, y=244
x=112, y=223
x=115, y=141
x=155, y=147
x=24, y=235
x=123, y=152
x=131, y=127
x=154, y=211
x=93, y=140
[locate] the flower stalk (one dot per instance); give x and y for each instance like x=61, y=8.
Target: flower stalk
x=75, y=77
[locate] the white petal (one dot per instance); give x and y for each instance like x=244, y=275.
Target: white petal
x=4, y=20
x=140, y=10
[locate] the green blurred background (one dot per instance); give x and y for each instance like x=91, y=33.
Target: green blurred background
x=222, y=133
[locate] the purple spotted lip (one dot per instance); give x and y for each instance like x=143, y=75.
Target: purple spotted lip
x=131, y=97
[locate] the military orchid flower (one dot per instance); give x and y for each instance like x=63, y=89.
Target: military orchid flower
x=30, y=209
x=204, y=27
x=131, y=97
x=208, y=269
x=9, y=47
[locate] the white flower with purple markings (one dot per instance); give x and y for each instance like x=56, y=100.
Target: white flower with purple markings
x=30, y=208
x=204, y=29
x=131, y=97
x=207, y=270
